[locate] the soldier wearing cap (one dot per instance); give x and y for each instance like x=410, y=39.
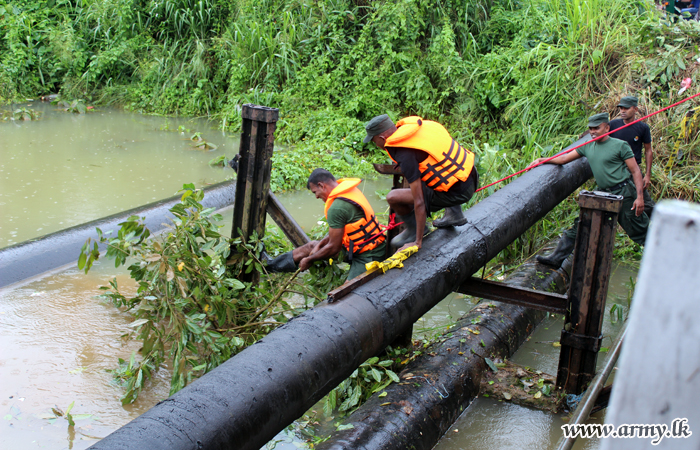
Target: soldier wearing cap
x=636, y=136
x=440, y=173
x=616, y=171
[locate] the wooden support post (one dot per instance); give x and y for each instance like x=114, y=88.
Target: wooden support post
x=253, y=182
x=581, y=337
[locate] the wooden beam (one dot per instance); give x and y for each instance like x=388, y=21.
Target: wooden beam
x=285, y=221
x=530, y=298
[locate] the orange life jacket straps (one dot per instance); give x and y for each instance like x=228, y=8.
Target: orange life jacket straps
x=447, y=161
x=358, y=236
x=455, y=161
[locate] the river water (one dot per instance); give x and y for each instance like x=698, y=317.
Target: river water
x=57, y=340
x=66, y=169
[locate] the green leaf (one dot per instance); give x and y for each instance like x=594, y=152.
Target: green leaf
x=355, y=397
x=347, y=426
x=329, y=403
x=392, y=375
x=491, y=364
x=81, y=416
x=137, y=323
x=377, y=376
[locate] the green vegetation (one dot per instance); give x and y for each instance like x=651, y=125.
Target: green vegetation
x=191, y=310
x=512, y=80
x=21, y=113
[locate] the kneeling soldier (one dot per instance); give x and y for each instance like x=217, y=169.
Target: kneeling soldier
x=440, y=173
x=352, y=225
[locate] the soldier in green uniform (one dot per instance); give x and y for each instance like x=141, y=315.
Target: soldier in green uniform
x=637, y=136
x=615, y=171
x=352, y=226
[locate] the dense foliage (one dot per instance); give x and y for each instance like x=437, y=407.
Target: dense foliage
x=514, y=77
x=511, y=79
x=196, y=303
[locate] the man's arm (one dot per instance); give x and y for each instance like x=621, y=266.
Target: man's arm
x=419, y=211
x=559, y=160
x=638, y=205
x=328, y=247
x=648, y=156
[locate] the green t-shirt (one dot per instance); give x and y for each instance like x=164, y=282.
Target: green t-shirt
x=342, y=213
x=607, y=161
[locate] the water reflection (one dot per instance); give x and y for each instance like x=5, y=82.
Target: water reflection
x=68, y=169
x=57, y=342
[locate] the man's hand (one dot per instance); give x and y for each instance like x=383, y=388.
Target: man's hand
x=305, y=263
x=536, y=162
x=647, y=181
x=638, y=206
x=410, y=244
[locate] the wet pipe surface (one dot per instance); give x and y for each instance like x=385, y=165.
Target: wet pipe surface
x=436, y=387
x=244, y=402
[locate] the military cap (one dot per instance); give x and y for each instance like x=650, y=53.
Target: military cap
x=377, y=125
x=628, y=102
x=597, y=119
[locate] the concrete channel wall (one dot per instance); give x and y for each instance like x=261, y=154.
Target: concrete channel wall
x=441, y=383
x=36, y=256
x=658, y=382
x=246, y=401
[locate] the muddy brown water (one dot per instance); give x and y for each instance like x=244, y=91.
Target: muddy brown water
x=57, y=340
x=492, y=424
x=66, y=169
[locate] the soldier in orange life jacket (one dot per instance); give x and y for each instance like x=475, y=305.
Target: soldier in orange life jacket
x=440, y=173
x=352, y=226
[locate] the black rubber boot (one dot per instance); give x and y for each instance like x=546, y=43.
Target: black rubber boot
x=409, y=233
x=283, y=263
x=564, y=249
x=453, y=218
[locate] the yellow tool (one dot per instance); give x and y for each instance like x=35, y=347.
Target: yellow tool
x=395, y=260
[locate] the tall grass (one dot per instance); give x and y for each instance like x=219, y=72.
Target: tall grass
x=518, y=76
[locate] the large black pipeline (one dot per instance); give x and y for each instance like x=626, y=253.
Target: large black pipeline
x=35, y=256
x=246, y=401
x=437, y=387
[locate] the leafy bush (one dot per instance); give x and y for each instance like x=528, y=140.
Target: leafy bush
x=191, y=308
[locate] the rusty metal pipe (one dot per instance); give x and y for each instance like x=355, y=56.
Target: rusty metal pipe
x=246, y=401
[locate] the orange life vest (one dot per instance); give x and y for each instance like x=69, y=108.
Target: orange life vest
x=357, y=236
x=447, y=161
